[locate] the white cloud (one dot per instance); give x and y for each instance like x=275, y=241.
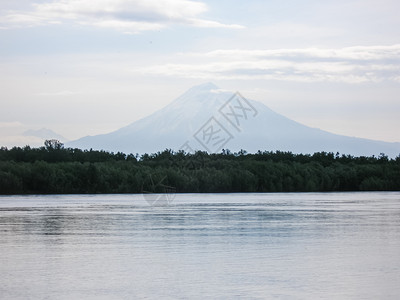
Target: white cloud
x=126, y=26
x=8, y=125
x=348, y=65
x=130, y=16
x=10, y=141
x=356, y=53
x=59, y=93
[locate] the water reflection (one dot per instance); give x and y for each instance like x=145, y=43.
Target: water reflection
x=52, y=222
x=323, y=246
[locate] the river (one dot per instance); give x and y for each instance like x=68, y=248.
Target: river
x=216, y=246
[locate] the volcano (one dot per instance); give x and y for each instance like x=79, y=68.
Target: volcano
x=209, y=119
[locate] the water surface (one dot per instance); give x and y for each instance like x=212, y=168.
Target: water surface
x=219, y=246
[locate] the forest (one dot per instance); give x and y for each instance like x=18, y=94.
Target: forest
x=53, y=169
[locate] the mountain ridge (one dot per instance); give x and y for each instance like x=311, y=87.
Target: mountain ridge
x=192, y=118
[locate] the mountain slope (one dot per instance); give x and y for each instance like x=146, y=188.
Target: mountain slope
x=206, y=118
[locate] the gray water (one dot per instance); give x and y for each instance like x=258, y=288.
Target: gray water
x=218, y=246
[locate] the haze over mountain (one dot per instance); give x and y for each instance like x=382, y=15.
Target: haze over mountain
x=209, y=119
x=43, y=133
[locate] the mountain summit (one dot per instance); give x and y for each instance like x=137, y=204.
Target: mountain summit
x=210, y=119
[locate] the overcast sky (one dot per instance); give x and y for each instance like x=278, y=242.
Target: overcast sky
x=85, y=67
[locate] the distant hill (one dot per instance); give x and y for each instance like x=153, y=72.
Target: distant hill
x=209, y=119
x=44, y=133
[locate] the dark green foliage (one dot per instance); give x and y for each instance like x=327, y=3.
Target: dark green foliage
x=55, y=169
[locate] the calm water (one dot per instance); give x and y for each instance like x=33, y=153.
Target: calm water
x=218, y=246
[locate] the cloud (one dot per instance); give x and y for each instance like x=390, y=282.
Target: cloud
x=19, y=141
x=43, y=133
x=5, y=125
x=19, y=134
x=349, y=65
x=58, y=93
x=129, y=16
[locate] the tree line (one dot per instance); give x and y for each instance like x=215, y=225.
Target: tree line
x=53, y=169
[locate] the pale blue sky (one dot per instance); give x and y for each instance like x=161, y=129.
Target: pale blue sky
x=83, y=67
